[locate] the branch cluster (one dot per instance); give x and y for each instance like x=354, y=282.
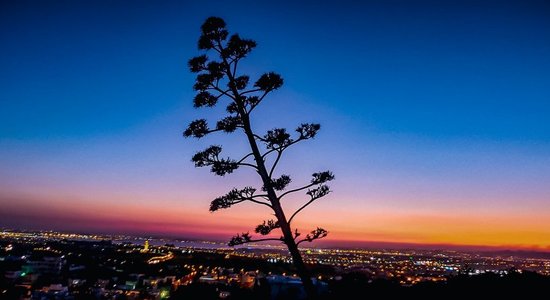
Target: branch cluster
x=278, y=139
x=266, y=227
x=316, y=234
x=210, y=157
x=244, y=238
x=217, y=78
x=240, y=239
x=280, y=183
x=233, y=197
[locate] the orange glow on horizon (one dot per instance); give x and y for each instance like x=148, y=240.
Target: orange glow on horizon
x=513, y=230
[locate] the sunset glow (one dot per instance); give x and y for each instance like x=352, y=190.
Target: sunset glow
x=433, y=141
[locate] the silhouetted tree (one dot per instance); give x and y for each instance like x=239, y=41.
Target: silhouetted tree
x=219, y=79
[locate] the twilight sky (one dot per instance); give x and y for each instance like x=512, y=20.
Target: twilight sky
x=435, y=115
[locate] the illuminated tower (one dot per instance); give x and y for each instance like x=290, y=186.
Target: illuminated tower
x=146, y=246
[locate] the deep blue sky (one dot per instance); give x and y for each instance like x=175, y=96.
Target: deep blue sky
x=435, y=68
x=436, y=105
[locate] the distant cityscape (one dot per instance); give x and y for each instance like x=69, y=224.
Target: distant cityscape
x=43, y=264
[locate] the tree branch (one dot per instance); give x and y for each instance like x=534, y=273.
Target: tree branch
x=268, y=152
x=251, y=199
x=296, y=233
x=282, y=148
x=235, y=62
x=264, y=196
x=301, y=208
x=250, y=91
x=316, y=234
x=279, y=153
x=319, y=192
x=296, y=190
x=259, y=137
x=258, y=202
x=216, y=88
x=245, y=238
x=259, y=100
x=236, y=196
x=266, y=239
x=245, y=157
x=248, y=165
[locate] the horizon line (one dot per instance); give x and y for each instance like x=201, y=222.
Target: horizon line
x=330, y=244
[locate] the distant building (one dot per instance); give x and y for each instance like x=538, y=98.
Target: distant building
x=46, y=265
x=210, y=279
x=145, y=246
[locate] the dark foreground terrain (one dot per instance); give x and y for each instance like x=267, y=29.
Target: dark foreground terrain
x=51, y=268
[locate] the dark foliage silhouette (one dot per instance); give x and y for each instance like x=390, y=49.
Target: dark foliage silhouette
x=218, y=80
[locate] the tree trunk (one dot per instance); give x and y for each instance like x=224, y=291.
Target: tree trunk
x=296, y=255
x=279, y=213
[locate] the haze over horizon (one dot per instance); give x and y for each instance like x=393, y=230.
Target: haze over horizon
x=434, y=118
